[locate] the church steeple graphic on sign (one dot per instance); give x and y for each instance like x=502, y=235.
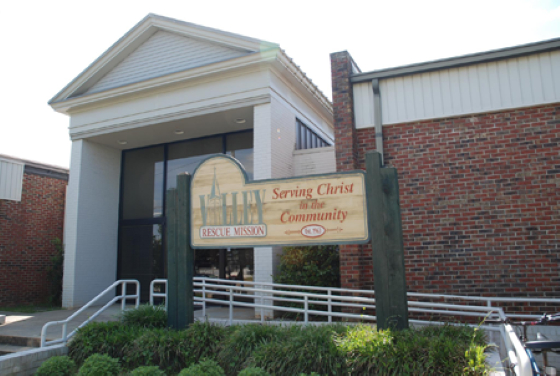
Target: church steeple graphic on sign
x=215, y=203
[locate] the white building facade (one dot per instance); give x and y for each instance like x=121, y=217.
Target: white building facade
x=163, y=97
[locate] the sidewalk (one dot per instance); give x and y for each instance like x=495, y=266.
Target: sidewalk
x=30, y=324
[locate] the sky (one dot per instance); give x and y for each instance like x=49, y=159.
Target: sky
x=47, y=44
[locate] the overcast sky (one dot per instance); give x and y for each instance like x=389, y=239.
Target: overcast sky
x=48, y=43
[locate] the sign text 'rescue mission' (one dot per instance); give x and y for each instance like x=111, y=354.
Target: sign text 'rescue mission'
x=228, y=211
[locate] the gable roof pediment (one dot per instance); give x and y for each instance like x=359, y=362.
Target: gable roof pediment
x=155, y=47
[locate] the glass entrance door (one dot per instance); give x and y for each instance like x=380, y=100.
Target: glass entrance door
x=147, y=173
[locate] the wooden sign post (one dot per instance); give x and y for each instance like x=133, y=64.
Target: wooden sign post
x=180, y=256
x=220, y=208
x=387, y=244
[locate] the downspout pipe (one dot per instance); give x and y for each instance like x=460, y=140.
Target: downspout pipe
x=377, y=119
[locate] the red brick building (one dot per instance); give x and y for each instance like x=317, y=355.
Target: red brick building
x=32, y=199
x=476, y=143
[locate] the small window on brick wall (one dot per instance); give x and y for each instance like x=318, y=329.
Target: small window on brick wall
x=307, y=139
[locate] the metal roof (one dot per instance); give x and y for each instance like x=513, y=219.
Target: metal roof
x=453, y=62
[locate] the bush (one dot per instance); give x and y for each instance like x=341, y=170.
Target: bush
x=111, y=338
x=57, y=366
x=147, y=371
x=100, y=365
x=253, y=371
x=169, y=349
x=205, y=340
x=304, y=350
x=239, y=346
x=174, y=350
x=54, y=274
x=426, y=351
x=145, y=316
x=204, y=368
x=309, y=266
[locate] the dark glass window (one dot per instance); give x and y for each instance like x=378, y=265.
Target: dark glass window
x=146, y=174
x=307, y=139
x=142, y=195
x=141, y=255
x=186, y=156
x=240, y=147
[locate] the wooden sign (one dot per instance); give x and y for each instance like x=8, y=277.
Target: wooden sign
x=227, y=210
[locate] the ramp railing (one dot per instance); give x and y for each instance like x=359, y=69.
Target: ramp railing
x=122, y=297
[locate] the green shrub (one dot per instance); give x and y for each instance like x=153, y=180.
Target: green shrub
x=100, y=365
x=57, y=366
x=205, y=340
x=253, y=371
x=54, y=274
x=304, y=350
x=147, y=371
x=174, y=350
x=146, y=316
x=238, y=347
x=204, y=368
x=433, y=350
x=111, y=338
x=309, y=266
x=169, y=349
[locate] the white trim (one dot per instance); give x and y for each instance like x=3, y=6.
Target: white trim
x=67, y=106
x=144, y=119
x=140, y=33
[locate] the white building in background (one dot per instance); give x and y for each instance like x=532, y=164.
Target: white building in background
x=164, y=96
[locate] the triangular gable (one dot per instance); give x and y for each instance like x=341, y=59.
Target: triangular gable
x=158, y=40
x=164, y=53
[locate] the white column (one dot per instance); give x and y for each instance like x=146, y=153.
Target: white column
x=91, y=223
x=273, y=146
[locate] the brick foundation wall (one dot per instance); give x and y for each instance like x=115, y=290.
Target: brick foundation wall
x=27, y=229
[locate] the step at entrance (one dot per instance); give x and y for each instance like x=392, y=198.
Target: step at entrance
x=12, y=344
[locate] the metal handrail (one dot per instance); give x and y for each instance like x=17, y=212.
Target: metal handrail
x=123, y=297
x=516, y=351
x=487, y=299
x=154, y=294
x=267, y=297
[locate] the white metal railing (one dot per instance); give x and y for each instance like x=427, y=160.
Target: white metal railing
x=122, y=297
x=265, y=295
x=516, y=354
x=158, y=294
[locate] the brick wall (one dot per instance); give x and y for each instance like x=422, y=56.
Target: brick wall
x=480, y=201
x=353, y=270
x=479, y=194
x=26, y=231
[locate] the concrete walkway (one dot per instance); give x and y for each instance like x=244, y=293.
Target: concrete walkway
x=30, y=324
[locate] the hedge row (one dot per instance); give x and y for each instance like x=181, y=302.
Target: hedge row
x=288, y=350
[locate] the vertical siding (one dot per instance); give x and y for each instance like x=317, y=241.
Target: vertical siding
x=11, y=180
x=162, y=54
x=363, y=104
x=517, y=82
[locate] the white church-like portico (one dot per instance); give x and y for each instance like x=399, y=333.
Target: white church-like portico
x=155, y=104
